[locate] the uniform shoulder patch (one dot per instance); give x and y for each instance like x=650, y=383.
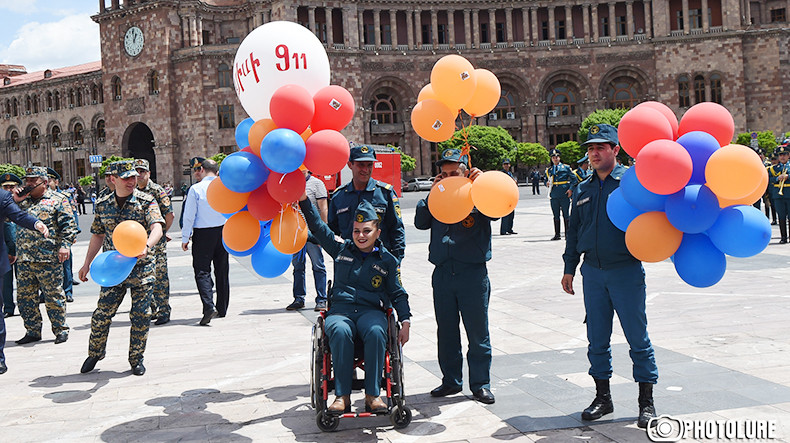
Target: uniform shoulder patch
x=376, y=281
x=468, y=222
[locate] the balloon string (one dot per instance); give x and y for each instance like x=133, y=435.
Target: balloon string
x=280, y=224
x=282, y=177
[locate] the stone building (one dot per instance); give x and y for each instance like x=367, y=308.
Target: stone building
x=164, y=91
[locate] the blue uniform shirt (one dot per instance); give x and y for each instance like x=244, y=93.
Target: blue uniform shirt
x=581, y=174
x=591, y=232
x=774, y=171
x=562, y=178
x=468, y=241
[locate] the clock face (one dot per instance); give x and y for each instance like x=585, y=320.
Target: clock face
x=133, y=41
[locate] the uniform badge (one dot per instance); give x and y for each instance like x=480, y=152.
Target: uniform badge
x=397, y=211
x=360, y=218
x=468, y=222
x=447, y=153
x=364, y=149
x=376, y=281
x=7, y=177
x=594, y=129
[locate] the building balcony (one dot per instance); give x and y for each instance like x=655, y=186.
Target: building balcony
x=386, y=128
x=563, y=120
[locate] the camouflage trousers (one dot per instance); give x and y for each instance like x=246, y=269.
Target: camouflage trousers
x=139, y=315
x=160, y=302
x=48, y=278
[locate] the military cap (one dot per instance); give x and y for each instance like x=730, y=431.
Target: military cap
x=365, y=212
x=10, y=179
x=602, y=133
x=53, y=174
x=36, y=171
x=584, y=159
x=124, y=169
x=452, y=155
x=141, y=163
x=782, y=150
x=506, y=161
x=362, y=154
x=553, y=152
x=196, y=162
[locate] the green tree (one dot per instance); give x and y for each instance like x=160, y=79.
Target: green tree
x=531, y=154
x=106, y=162
x=8, y=168
x=218, y=157
x=570, y=152
x=407, y=162
x=493, y=145
x=607, y=116
x=86, y=181
x=765, y=139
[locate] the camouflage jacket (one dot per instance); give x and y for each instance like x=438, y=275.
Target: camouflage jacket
x=165, y=207
x=139, y=207
x=54, y=211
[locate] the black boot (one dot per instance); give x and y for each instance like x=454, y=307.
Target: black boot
x=567, y=223
x=556, y=229
x=602, y=404
x=783, y=232
x=646, y=408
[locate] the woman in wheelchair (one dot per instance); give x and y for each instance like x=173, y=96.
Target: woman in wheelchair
x=367, y=281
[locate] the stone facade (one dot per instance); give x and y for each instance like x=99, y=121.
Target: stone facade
x=557, y=62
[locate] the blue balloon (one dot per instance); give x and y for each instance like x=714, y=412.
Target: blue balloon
x=620, y=212
x=699, y=262
x=693, y=209
x=243, y=131
x=111, y=268
x=636, y=194
x=741, y=231
x=700, y=145
x=269, y=262
x=243, y=172
x=282, y=150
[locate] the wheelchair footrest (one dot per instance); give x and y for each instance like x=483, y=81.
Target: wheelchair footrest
x=357, y=414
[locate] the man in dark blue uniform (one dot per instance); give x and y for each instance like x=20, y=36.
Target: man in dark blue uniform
x=779, y=188
x=613, y=280
x=583, y=171
x=9, y=183
x=382, y=196
x=461, y=289
x=562, y=179
x=506, y=225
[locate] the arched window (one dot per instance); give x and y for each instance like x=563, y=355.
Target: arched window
x=100, y=130
x=384, y=109
x=699, y=89
x=28, y=104
x=153, y=83
x=116, y=88
x=7, y=107
x=95, y=94
x=57, y=100
x=101, y=93
x=14, y=140
x=622, y=93
x=79, y=97
x=683, y=92
x=715, y=88
x=15, y=108
x=35, y=104
x=71, y=98
x=55, y=132
x=34, y=134
x=225, y=80
x=505, y=108
x=562, y=98
x=49, y=100
x=78, y=135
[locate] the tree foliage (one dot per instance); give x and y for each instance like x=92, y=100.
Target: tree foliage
x=607, y=116
x=106, y=162
x=218, y=157
x=531, y=154
x=571, y=152
x=86, y=181
x=8, y=168
x=493, y=145
x=407, y=162
x=765, y=139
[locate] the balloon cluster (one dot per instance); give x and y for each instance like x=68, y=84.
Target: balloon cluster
x=690, y=193
x=282, y=80
x=111, y=268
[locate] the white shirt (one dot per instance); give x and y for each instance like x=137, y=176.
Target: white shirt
x=197, y=212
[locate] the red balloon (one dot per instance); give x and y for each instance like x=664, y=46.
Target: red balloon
x=261, y=205
x=292, y=107
x=327, y=152
x=334, y=108
x=248, y=149
x=286, y=188
x=641, y=126
x=664, y=109
x=664, y=167
x=709, y=117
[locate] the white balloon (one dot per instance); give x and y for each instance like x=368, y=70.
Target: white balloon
x=274, y=55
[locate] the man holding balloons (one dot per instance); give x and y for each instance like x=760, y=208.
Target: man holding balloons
x=562, y=180
x=126, y=203
x=614, y=281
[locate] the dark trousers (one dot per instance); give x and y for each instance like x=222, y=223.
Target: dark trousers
x=319, y=272
x=535, y=188
x=561, y=204
x=2, y=332
x=8, y=291
x=507, y=223
x=207, y=249
x=68, y=277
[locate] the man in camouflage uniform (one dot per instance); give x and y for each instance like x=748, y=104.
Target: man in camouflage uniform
x=109, y=188
x=68, y=274
x=160, y=302
x=126, y=203
x=39, y=259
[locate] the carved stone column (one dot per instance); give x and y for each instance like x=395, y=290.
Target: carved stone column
x=476, y=27
x=393, y=15
x=509, y=26
x=552, y=30
x=185, y=32
x=705, y=16
x=311, y=20
x=409, y=29
x=686, y=22
x=492, y=26
x=377, y=28
x=534, y=13
x=418, y=28
x=330, y=35
x=612, y=28
x=434, y=28
x=468, y=28
x=451, y=27
x=586, y=23
x=648, y=19
x=192, y=31
x=596, y=24
x=629, y=17
x=525, y=24
x=569, y=22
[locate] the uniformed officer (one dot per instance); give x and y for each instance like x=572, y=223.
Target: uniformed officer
x=9, y=183
x=108, y=188
x=506, y=225
x=160, y=303
x=780, y=189
x=461, y=289
x=68, y=274
x=367, y=279
x=614, y=281
x=125, y=203
x=381, y=195
x=561, y=180
x=40, y=260
x=583, y=171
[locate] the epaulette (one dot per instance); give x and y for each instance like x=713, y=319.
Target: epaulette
x=386, y=186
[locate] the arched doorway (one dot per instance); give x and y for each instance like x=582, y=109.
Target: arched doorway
x=138, y=142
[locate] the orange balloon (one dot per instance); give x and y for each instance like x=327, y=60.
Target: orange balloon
x=450, y=201
x=709, y=117
x=487, y=94
x=651, y=237
x=427, y=92
x=433, y=120
x=241, y=231
x=734, y=172
x=258, y=131
x=306, y=134
x=129, y=238
x=495, y=194
x=453, y=80
x=751, y=198
x=288, y=231
x=223, y=200
x=668, y=113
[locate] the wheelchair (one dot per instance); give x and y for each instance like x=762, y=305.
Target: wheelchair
x=322, y=380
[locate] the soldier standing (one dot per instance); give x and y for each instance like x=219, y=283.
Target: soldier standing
x=562, y=180
x=126, y=203
x=40, y=260
x=506, y=225
x=780, y=189
x=68, y=274
x=160, y=303
x=584, y=169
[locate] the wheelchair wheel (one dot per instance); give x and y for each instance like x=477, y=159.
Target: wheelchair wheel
x=329, y=423
x=400, y=416
x=316, y=365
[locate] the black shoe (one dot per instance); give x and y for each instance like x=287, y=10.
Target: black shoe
x=504, y=233
x=645, y=414
x=28, y=339
x=647, y=410
x=75, y=283
x=556, y=237
x=69, y=299
x=320, y=306
x=61, y=337
x=89, y=364
x=602, y=404
x=484, y=395
x=162, y=320
x=207, y=317
x=513, y=233
x=782, y=241
x=138, y=369
x=3, y=367
x=295, y=306
x=8, y=314
x=444, y=391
